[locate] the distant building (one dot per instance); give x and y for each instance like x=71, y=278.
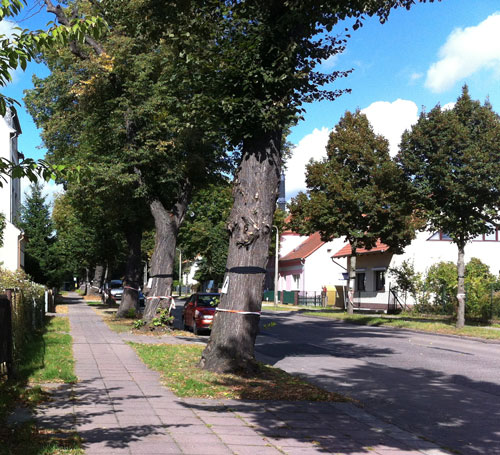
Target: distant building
x=12, y=251
x=374, y=282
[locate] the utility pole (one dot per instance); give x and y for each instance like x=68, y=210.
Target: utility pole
x=180, y=271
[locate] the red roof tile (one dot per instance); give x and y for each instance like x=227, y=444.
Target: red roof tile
x=305, y=249
x=346, y=250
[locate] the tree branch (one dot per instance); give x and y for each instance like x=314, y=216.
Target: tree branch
x=63, y=20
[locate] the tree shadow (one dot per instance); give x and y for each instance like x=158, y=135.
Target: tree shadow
x=452, y=410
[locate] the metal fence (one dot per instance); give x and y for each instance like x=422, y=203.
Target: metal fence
x=312, y=298
x=5, y=336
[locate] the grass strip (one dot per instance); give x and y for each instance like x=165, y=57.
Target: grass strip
x=178, y=367
x=48, y=357
x=441, y=325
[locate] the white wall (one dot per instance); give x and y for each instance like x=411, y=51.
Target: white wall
x=288, y=242
x=9, y=253
x=423, y=253
x=320, y=270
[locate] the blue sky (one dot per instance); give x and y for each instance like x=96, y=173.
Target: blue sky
x=418, y=58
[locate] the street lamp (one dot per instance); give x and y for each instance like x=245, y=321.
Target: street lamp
x=276, y=267
x=180, y=270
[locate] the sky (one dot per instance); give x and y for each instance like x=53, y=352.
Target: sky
x=417, y=59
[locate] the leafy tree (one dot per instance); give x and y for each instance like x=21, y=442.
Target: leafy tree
x=356, y=192
x=3, y=223
x=265, y=56
x=16, y=52
x=162, y=153
x=204, y=238
x=452, y=160
x=40, y=261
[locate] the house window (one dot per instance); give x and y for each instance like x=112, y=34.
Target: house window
x=296, y=281
x=440, y=236
x=380, y=280
x=360, y=281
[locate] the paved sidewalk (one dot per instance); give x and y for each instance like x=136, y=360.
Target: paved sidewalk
x=119, y=407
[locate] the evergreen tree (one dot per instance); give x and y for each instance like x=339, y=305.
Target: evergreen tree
x=452, y=160
x=356, y=192
x=40, y=262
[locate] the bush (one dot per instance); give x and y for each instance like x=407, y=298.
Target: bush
x=440, y=289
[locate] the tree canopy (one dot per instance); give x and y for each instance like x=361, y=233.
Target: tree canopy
x=451, y=159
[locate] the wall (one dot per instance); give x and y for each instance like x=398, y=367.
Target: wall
x=9, y=253
x=320, y=270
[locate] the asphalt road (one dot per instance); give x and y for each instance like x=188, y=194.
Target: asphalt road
x=445, y=389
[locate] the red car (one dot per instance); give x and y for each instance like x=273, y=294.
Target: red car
x=199, y=311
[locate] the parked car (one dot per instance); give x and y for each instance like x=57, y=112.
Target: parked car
x=199, y=311
x=112, y=292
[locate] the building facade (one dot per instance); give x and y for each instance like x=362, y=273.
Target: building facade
x=12, y=251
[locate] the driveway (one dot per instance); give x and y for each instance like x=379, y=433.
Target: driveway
x=445, y=389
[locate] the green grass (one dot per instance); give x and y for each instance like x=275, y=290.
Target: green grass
x=433, y=324
x=94, y=302
x=178, y=367
x=48, y=357
x=270, y=307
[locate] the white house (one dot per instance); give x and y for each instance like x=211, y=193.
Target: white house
x=305, y=265
x=373, y=282
x=12, y=251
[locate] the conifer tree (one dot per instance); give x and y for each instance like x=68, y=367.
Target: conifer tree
x=37, y=226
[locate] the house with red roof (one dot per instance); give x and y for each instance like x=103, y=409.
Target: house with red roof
x=305, y=264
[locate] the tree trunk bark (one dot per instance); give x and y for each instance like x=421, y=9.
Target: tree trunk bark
x=97, y=281
x=167, y=225
x=231, y=345
x=352, y=279
x=461, y=287
x=133, y=271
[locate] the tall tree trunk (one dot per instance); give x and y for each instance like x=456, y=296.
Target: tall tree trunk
x=133, y=271
x=97, y=281
x=167, y=225
x=352, y=279
x=461, y=287
x=231, y=345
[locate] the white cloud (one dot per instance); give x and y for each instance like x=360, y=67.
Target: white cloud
x=448, y=106
x=311, y=146
x=7, y=28
x=414, y=77
x=465, y=52
x=392, y=119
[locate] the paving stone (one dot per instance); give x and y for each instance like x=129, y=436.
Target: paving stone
x=205, y=449
x=252, y=450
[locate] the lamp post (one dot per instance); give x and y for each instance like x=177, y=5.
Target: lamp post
x=180, y=270
x=276, y=267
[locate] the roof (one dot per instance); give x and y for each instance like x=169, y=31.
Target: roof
x=346, y=250
x=305, y=249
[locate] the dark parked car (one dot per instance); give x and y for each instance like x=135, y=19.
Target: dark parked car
x=199, y=311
